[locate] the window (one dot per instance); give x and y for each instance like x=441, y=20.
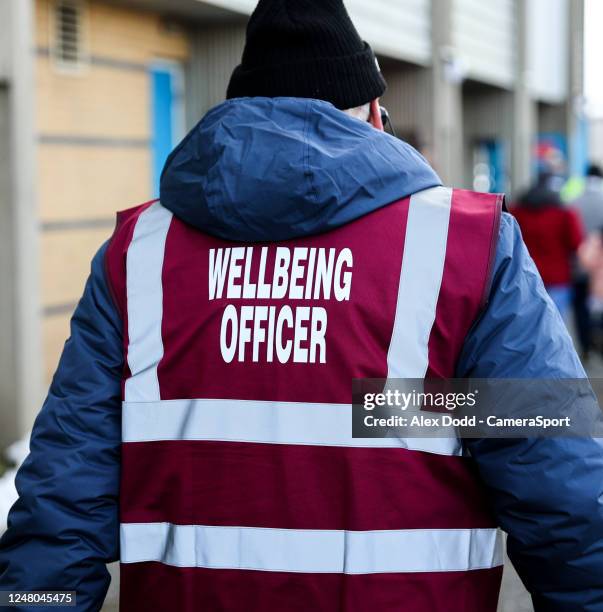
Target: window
x=68, y=48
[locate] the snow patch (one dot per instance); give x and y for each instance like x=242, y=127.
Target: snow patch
x=16, y=454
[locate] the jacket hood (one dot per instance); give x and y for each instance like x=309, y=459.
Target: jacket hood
x=264, y=169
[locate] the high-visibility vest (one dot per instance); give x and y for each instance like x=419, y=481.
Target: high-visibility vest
x=242, y=486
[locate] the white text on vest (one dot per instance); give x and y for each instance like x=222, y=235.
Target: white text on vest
x=282, y=332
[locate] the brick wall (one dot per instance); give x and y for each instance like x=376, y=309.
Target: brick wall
x=94, y=143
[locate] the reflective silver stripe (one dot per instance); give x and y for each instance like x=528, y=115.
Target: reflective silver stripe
x=314, y=551
x=144, y=264
x=420, y=281
x=421, y=276
x=259, y=421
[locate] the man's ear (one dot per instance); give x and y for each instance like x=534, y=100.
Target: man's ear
x=375, y=115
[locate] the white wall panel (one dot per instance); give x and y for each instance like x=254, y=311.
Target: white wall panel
x=483, y=34
x=595, y=143
x=240, y=6
x=400, y=29
x=5, y=41
x=548, y=49
x=396, y=28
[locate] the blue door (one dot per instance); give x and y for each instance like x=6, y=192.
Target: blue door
x=166, y=114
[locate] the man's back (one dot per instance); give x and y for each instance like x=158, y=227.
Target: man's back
x=241, y=358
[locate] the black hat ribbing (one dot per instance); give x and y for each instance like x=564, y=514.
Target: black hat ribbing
x=306, y=49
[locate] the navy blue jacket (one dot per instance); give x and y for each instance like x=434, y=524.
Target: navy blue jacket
x=256, y=169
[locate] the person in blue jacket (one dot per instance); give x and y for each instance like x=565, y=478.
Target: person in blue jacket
x=547, y=493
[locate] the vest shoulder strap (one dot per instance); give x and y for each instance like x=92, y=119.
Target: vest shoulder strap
x=470, y=251
x=115, y=257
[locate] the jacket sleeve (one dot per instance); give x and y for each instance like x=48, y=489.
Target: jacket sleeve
x=64, y=527
x=547, y=492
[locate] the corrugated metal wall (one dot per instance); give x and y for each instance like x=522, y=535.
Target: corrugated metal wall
x=487, y=115
x=552, y=117
x=488, y=112
x=408, y=100
x=214, y=53
x=483, y=34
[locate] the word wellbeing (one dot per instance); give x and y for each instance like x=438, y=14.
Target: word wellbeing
x=277, y=329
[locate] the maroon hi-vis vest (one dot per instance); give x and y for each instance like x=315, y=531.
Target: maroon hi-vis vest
x=242, y=486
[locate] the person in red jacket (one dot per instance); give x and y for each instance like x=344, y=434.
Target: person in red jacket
x=552, y=233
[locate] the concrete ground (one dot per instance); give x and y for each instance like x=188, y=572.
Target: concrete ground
x=112, y=600
x=513, y=595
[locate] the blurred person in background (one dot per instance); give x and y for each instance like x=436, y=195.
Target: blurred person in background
x=590, y=256
x=590, y=203
x=552, y=232
x=199, y=424
x=590, y=206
